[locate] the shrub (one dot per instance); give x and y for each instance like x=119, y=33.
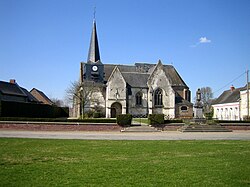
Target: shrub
x=124, y=120
x=96, y=115
x=209, y=115
x=156, y=119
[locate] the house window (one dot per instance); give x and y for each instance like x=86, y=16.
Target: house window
x=138, y=98
x=158, y=97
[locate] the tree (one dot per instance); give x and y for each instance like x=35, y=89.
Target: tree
x=57, y=102
x=206, y=98
x=79, y=94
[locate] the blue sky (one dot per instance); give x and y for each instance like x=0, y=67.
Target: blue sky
x=42, y=42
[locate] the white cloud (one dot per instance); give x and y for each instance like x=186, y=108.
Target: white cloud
x=204, y=40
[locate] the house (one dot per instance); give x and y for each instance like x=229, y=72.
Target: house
x=244, y=98
x=11, y=91
x=231, y=104
x=139, y=89
x=41, y=97
x=16, y=101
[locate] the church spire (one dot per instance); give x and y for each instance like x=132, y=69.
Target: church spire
x=94, y=54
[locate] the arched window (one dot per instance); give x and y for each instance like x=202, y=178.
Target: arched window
x=138, y=98
x=158, y=97
x=184, y=108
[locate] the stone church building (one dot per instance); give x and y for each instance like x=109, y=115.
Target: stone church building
x=139, y=89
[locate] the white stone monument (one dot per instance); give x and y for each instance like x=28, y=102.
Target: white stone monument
x=198, y=113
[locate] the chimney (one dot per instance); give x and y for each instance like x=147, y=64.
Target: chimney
x=12, y=81
x=232, y=88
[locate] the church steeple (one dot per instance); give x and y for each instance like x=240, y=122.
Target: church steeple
x=94, y=54
x=93, y=70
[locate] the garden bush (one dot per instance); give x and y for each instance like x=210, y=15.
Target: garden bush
x=209, y=115
x=124, y=120
x=96, y=115
x=156, y=119
x=173, y=121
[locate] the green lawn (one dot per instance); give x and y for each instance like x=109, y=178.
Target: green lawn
x=141, y=120
x=34, y=162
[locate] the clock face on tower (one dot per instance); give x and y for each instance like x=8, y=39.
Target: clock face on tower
x=94, y=68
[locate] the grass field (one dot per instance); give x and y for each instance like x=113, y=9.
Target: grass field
x=34, y=162
x=141, y=120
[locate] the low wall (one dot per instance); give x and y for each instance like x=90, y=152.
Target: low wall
x=173, y=126
x=236, y=126
x=58, y=127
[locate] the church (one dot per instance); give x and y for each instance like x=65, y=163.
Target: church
x=139, y=89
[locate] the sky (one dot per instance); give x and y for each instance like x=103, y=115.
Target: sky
x=42, y=42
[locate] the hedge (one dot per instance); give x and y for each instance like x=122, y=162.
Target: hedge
x=33, y=110
x=87, y=120
x=173, y=121
x=156, y=119
x=124, y=120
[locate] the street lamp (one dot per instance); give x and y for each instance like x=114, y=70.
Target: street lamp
x=81, y=101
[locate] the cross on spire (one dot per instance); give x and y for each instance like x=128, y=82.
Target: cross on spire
x=94, y=54
x=94, y=12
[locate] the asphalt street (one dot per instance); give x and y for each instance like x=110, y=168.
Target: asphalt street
x=166, y=135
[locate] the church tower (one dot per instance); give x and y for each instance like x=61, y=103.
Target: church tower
x=93, y=70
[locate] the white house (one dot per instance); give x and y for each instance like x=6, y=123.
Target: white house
x=231, y=104
x=244, y=108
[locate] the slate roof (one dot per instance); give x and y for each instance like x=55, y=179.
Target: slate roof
x=31, y=98
x=108, y=69
x=94, y=54
x=136, y=80
x=138, y=68
x=180, y=101
x=228, y=96
x=174, y=76
x=13, y=89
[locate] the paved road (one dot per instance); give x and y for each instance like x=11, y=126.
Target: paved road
x=167, y=135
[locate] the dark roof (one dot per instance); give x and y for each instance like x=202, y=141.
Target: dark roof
x=31, y=98
x=180, y=101
x=94, y=54
x=174, y=76
x=171, y=73
x=108, y=69
x=136, y=80
x=11, y=89
x=228, y=96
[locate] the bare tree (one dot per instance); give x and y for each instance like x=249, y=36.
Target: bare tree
x=206, y=98
x=79, y=93
x=57, y=102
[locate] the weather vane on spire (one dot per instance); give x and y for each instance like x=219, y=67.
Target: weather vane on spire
x=94, y=11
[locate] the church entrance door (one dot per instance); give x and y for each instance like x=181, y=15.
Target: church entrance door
x=116, y=109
